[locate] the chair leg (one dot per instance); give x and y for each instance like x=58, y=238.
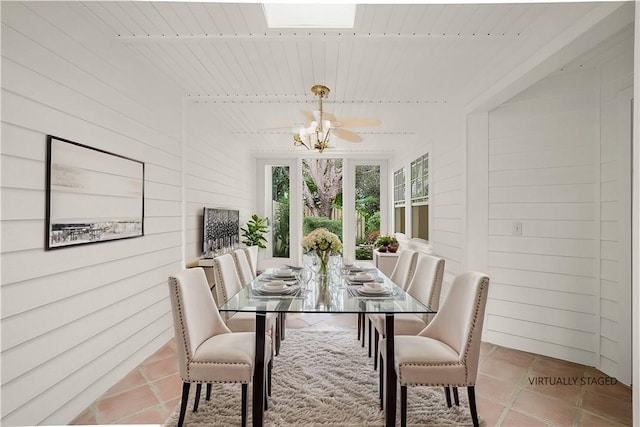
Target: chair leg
x=363, y=329
x=403, y=406
x=183, y=405
x=277, y=335
x=447, y=395
x=283, y=321
x=244, y=405
x=370, y=337
x=197, y=399
x=269, y=368
x=376, y=334
x=359, y=325
x=472, y=405
x=208, y=391
x=455, y=396
x=381, y=382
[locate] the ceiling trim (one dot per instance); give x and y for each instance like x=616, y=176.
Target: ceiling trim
x=297, y=36
x=594, y=28
x=283, y=132
x=297, y=99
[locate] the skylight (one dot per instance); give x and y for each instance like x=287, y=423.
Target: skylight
x=280, y=15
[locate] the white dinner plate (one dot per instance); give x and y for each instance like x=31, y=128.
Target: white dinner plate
x=280, y=291
x=287, y=280
x=381, y=291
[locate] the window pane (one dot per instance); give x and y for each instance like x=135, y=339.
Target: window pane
x=420, y=197
x=367, y=207
x=398, y=186
x=420, y=179
x=399, y=220
x=420, y=221
x=280, y=211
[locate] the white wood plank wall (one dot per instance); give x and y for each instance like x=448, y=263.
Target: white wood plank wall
x=76, y=320
x=554, y=166
x=616, y=75
x=218, y=174
x=448, y=199
x=543, y=174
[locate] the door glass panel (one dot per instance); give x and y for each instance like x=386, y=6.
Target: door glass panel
x=367, y=208
x=280, y=211
x=322, y=195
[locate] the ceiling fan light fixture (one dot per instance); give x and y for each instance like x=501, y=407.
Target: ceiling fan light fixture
x=297, y=142
x=320, y=126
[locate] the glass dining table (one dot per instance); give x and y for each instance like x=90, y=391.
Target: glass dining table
x=337, y=292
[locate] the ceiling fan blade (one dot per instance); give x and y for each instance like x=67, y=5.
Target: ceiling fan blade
x=328, y=116
x=308, y=115
x=362, y=122
x=347, y=135
x=325, y=116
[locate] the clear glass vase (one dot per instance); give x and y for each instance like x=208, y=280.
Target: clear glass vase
x=323, y=259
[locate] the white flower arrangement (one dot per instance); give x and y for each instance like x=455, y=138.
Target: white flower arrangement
x=322, y=240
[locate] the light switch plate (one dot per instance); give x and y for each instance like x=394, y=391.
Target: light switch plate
x=517, y=228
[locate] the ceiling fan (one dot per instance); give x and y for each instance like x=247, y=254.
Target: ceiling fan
x=322, y=124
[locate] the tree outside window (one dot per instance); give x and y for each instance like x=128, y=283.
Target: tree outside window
x=322, y=193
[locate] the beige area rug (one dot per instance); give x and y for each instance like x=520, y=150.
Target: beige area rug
x=323, y=378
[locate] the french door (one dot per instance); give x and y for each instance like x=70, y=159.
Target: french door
x=356, y=208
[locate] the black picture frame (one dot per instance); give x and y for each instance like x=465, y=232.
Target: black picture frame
x=92, y=195
x=221, y=229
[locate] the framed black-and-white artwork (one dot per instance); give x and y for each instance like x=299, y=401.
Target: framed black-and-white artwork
x=92, y=195
x=221, y=229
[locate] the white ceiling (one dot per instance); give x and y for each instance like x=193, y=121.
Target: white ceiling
x=404, y=64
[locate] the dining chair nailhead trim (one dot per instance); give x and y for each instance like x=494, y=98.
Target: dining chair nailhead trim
x=220, y=280
x=174, y=283
x=217, y=382
x=426, y=364
x=437, y=279
x=481, y=291
x=236, y=263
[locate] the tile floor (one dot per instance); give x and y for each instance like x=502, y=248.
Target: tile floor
x=511, y=388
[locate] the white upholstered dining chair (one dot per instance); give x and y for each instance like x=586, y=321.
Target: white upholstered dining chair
x=243, y=267
x=208, y=352
x=403, y=271
x=446, y=352
x=400, y=276
x=425, y=286
x=228, y=280
x=252, y=256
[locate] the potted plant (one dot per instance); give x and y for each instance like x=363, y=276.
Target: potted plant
x=383, y=243
x=254, y=232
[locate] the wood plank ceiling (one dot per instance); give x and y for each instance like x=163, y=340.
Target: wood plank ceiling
x=404, y=64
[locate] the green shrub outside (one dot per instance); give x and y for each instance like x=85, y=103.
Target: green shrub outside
x=281, y=230
x=364, y=253
x=373, y=223
x=310, y=223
